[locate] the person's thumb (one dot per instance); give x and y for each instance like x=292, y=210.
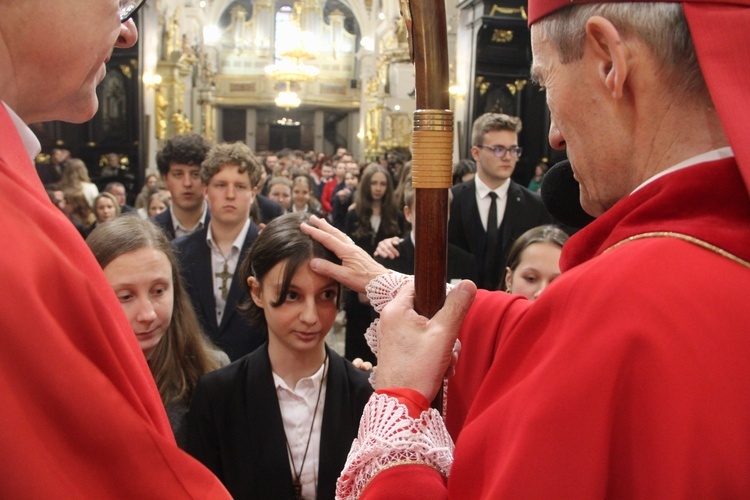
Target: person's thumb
x=457, y=304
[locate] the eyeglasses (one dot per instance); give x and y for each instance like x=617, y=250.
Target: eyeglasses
x=499, y=151
x=128, y=8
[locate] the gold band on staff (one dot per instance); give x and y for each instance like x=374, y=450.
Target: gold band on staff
x=432, y=149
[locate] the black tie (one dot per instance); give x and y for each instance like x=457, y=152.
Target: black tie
x=491, y=256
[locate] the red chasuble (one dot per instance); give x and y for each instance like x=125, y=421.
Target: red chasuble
x=629, y=377
x=80, y=416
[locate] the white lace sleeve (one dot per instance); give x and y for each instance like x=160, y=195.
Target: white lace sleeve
x=383, y=289
x=380, y=291
x=388, y=437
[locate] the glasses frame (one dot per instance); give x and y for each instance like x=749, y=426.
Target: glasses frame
x=499, y=151
x=129, y=15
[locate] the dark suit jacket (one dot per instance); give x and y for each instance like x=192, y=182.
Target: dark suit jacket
x=267, y=208
x=48, y=173
x=340, y=209
x=358, y=315
x=234, y=335
x=164, y=221
x=460, y=262
x=235, y=426
x=523, y=211
x=368, y=244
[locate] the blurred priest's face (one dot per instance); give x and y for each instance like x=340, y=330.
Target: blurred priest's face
x=56, y=52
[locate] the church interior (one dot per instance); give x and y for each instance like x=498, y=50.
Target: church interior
x=310, y=75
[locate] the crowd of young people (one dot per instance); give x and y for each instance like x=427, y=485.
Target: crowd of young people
x=213, y=268
x=625, y=378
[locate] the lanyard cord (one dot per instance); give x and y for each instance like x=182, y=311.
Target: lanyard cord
x=297, y=475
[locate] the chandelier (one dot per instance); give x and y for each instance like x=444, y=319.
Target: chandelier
x=287, y=99
x=289, y=70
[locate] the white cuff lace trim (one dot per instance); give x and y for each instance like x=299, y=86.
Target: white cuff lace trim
x=383, y=289
x=388, y=436
x=380, y=291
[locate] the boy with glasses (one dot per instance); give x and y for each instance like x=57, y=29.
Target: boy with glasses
x=490, y=211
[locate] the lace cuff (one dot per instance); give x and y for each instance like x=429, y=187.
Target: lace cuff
x=388, y=437
x=380, y=291
x=383, y=289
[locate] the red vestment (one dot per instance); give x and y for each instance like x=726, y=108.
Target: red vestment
x=628, y=377
x=80, y=416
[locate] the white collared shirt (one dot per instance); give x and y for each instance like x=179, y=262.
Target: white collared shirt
x=297, y=405
x=217, y=265
x=180, y=230
x=484, y=200
x=713, y=155
x=30, y=141
x=375, y=223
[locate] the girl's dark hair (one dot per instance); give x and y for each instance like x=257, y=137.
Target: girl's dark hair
x=280, y=241
x=184, y=353
x=389, y=220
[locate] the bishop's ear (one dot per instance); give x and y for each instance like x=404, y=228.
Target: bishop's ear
x=255, y=291
x=610, y=53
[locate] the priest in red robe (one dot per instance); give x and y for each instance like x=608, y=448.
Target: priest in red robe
x=80, y=416
x=628, y=378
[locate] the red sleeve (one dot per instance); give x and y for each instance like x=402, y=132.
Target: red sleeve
x=480, y=340
x=414, y=401
x=604, y=391
x=81, y=416
x=407, y=482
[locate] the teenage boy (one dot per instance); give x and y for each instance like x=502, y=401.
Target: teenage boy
x=179, y=163
x=209, y=257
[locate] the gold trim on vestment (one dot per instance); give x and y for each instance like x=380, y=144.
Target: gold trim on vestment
x=684, y=237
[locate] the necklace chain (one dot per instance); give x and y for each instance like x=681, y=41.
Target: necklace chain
x=298, y=475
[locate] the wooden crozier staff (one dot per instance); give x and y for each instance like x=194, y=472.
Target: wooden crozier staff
x=432, y=151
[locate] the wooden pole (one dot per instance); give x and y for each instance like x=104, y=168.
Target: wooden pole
x=432, y=149
x=432, y=152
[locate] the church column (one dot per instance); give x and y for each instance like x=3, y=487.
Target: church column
x=251, y=122
x=149, y=47
x=353, y=126
x=318, y=125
